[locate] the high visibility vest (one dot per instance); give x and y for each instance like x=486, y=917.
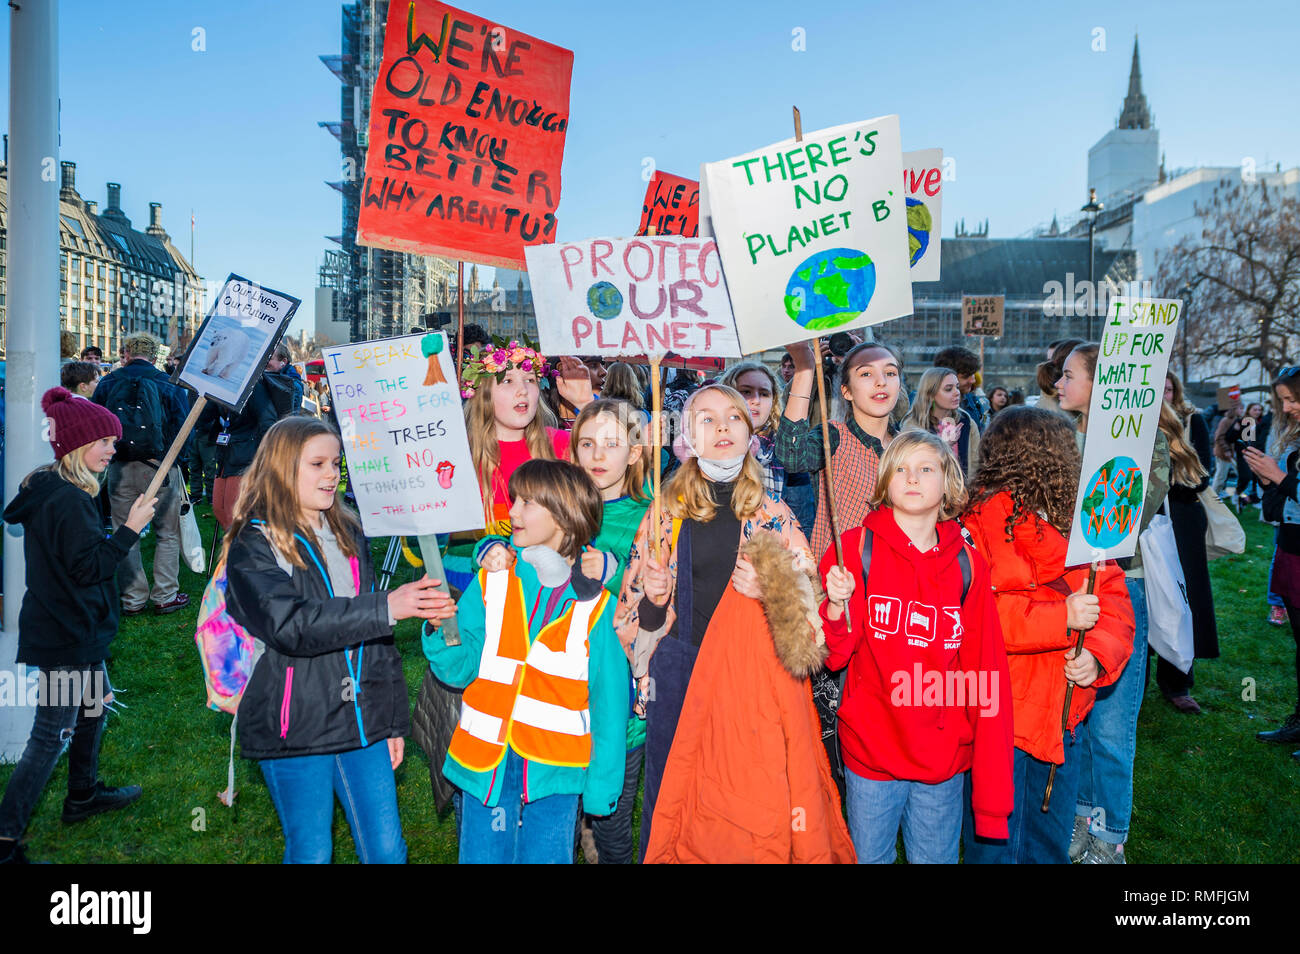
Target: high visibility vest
x=533, y=698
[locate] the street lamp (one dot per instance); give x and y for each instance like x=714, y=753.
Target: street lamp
x=1093, y=207
x=1185, y=293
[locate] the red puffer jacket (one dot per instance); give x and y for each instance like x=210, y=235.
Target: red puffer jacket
x=1031, y=582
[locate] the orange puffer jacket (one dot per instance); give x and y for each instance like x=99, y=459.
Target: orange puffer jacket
x=1031, y=582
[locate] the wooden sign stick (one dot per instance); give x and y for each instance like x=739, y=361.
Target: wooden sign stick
x=170, y=457
x=826, y=424
x=656, y=465
x=1069, y=690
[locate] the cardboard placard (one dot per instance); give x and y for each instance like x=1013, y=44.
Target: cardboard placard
x=671, y=206
x=638, y=296
x=813, y=234
x=1228, y=396
x=404, y=436
x=231, y=348
x=923, y=193
x=1123, y=416
x=982, y=315
x=466, y=139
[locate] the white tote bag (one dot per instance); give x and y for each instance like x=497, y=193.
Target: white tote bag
x=1224, y=533
x=1169, y=617
x=192, y=551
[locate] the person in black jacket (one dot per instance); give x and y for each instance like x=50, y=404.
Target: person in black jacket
x=236, y=445
x=325, y=710
x=69, y=614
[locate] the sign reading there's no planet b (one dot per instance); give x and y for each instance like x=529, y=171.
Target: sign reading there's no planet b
x=813, y=234
x=641, y=296
x=404, y=435
x=1123, y=416
x=923, y=192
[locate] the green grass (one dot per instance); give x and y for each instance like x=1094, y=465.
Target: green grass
x=1205, y=789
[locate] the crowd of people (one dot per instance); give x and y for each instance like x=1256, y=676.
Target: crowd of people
x=792, y=674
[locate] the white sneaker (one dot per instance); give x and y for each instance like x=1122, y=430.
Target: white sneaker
x=1080, y=838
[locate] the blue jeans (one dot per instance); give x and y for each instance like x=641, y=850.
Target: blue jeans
x=517, y=833
x=303, y=789
x=69, y=709
x=1108, y=738
x=801, y=497
x=931, y=817
x=1035, y=837
x=1273, y=598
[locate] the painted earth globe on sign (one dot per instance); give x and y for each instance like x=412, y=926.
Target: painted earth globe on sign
x=1112, y=505
x=830, y=289
x=604, y=300
x=919, y=224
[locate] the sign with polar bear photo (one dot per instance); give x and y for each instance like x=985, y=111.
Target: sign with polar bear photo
x=923, y=193
x=236, y=338
x=1123, y=416
x=641, y=296
x=404, y=437
x=812, y=234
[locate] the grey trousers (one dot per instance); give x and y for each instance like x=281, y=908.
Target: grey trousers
x=127, y=480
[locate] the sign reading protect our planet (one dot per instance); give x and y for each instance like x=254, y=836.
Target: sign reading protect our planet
x=640, y=296
x=1123, y=416
x=813, y=234
x=923, y=192
x=466, y=138
x=404, y=435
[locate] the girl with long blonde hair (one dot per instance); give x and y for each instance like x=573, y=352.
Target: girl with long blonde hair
x=938, y=409
x=756, y=383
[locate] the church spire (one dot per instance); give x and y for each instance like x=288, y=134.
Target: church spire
x=1136, y=114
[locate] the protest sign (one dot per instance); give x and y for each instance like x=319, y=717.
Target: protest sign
x=404, y=435
x=671, y=206
x=639, y=296
x=982, y=315
x=1227, y=397
x=466, y=138
x=231, y=348
x=1123, y=416
x=813, y=234
x=923, y=191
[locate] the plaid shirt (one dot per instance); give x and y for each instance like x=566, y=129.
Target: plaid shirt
x=773, y=472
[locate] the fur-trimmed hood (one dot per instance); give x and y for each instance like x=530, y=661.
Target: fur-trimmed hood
x=792, y=592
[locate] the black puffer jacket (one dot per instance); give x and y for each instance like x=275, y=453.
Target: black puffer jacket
x=331, y=678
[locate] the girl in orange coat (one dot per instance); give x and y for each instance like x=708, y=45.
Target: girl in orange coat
x=1022, y=506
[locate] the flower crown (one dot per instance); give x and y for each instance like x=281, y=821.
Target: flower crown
x=484, y=360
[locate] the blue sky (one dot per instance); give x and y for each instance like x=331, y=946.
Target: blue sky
x=1014, y=91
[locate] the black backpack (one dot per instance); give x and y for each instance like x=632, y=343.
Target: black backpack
x=280, y=388
x=138, y=405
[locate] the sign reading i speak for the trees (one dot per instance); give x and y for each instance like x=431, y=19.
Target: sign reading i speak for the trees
x=628, y=297
x=813, y=234
x=923, y=190
x=404, y=435
x=466, y=137
x=1123, y=417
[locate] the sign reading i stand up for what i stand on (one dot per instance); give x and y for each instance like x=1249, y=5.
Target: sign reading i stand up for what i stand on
x=813, y=234
x=404, y=435
x=923, y=190
x=640, y=296
x=466, y=137
x=1123, y=417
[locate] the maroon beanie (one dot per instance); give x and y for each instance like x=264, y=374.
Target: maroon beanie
x=75, y=421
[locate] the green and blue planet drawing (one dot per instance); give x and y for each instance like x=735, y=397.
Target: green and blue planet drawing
x=1113, y=507
x=919, y=224
x=830, y=289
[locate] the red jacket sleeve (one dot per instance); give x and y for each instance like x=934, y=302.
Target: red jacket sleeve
x=982, y=650
x=1111, y=640
x=840, y=639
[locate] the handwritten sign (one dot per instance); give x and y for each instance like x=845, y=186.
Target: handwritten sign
x=982, y=314
x=671, y=207
x=404, y=435
x=923, y=193
x=1123, y=417
x=467, y=127
x=813, y=234
x=639, y=296
x=231, y=348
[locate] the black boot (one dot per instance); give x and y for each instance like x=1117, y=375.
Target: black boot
x=103, y=799
x=1288, y=734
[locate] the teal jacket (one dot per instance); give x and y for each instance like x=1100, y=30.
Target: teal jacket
x=607, y=677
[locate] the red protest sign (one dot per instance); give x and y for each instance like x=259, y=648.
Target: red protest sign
x=467, y=127
x=671, y=207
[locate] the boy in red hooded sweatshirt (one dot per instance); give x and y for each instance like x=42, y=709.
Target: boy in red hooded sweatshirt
x=927, y=696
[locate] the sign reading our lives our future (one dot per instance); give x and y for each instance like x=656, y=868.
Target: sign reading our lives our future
x=404, y=435
x=1123, y=417
x=466, y=138
x=813, y=234
x=640, y=296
